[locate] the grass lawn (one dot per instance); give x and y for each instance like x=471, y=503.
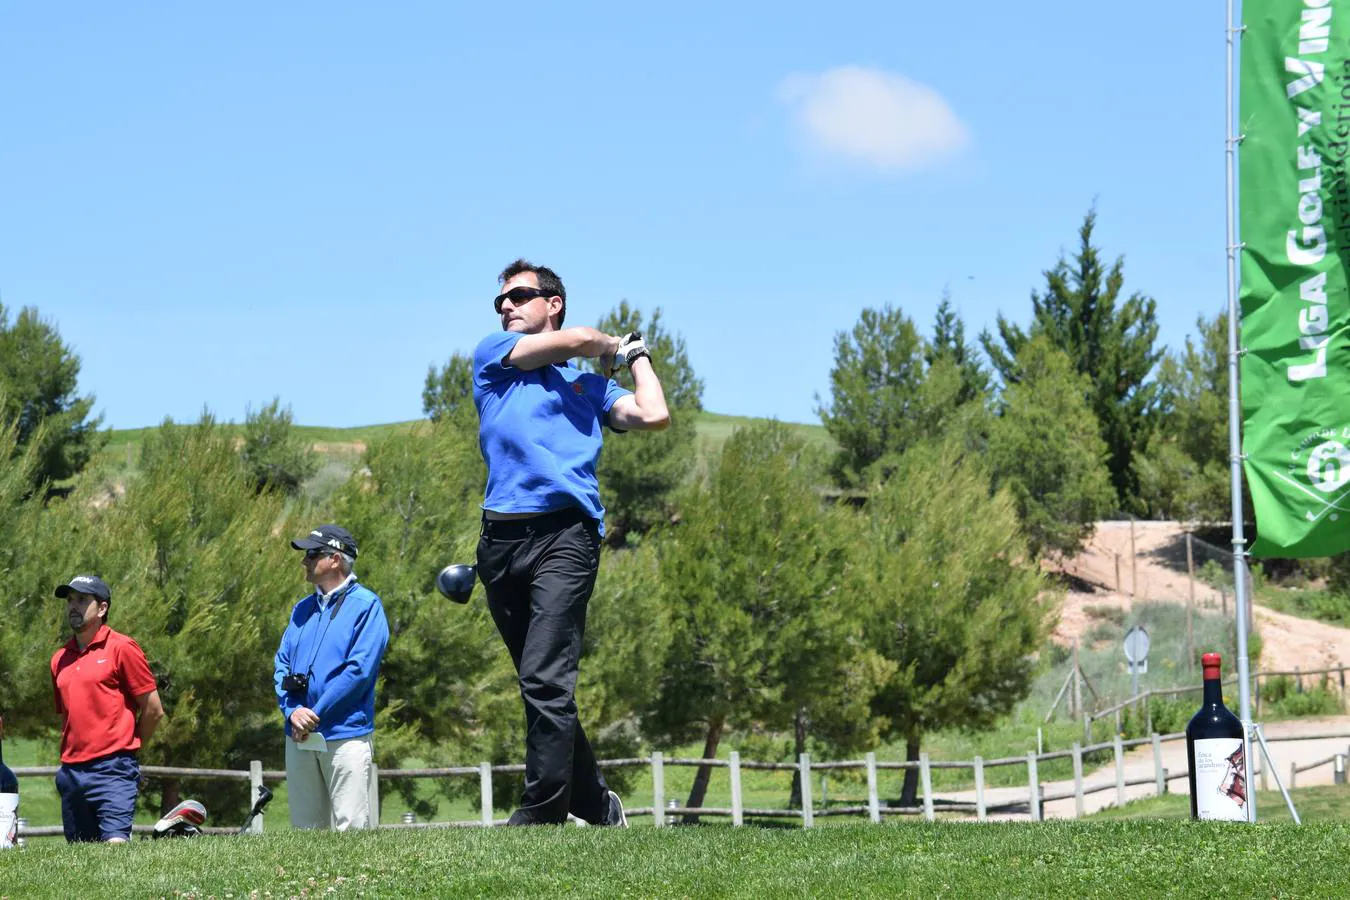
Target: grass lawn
x=1097, y=859
x=1316, y=805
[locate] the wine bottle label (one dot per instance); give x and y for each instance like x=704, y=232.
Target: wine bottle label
x=1220, y=780
x=9, y=820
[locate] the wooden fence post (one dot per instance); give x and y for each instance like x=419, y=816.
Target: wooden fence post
x=979, y=789
x=926, y=778
x=737, y=810
x=1134, y=566
x=1190, y=606
x=1077, y=683
x=1158, y=771
x=873, y=801
x=485, y=793
x=1120, y=770
x=1077, y=780
x=255, y=784
x=808, y=815
x=658, y=789
x=1035, y=784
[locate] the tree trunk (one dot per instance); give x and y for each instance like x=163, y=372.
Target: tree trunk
x=795, y=800
x=172, y=795
x=700, y=788
x=909, y=793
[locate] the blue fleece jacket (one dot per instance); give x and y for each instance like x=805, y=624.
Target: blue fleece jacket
x=340, y=648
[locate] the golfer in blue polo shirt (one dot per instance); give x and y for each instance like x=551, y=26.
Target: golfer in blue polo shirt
x=540, y=421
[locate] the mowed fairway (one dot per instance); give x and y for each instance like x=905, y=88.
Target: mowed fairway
x=1081, y=859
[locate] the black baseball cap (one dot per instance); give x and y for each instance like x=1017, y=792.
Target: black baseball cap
x=328, y=537
x=86, y=584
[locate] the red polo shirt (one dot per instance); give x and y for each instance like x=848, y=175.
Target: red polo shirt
x=96, y=690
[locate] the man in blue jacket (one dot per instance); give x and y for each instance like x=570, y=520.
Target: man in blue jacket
x=324, y=676
x=541, y=422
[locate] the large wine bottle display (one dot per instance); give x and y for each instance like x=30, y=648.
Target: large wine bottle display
x=9, y=803
x=1215, y=751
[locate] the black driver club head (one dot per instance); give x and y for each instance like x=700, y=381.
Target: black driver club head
x=456, y=582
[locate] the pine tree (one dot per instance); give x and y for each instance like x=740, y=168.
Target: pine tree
x=39, y=378
x=950, y=597
x=1110, y=340
x=276, y=458
x=1185, y=473
x=1046, y=450
x=743, y=577
x=875, y=384
x=448, y=392
x=949, y=343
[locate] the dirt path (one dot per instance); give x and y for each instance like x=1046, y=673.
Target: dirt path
x=1139, y=764
x=1108, y=573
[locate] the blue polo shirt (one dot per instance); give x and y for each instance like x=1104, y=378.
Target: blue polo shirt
x=540, y=431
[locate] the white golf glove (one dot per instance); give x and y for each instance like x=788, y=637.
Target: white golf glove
x=631, y=347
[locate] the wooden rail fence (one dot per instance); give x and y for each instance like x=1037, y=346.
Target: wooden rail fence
x=873, y=809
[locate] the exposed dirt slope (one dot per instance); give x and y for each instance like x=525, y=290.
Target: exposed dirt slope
x=1156, y=570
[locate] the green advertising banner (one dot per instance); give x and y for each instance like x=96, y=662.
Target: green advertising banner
x=1294, y=220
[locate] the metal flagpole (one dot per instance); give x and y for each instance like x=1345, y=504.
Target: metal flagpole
x=1240, y=594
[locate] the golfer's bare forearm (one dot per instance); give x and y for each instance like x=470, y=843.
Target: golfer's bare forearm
x=649, y=396
x=151, y=711
x=146, y=725
x=534, y=351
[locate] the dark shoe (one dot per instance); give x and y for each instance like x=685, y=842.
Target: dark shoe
x=616, y=816
x=520, y=817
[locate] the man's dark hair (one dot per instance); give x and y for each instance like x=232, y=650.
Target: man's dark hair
x=548, y=281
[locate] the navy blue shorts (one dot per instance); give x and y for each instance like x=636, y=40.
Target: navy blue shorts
x=98, y=798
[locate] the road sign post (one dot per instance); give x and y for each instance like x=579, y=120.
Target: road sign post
x=1136, y=655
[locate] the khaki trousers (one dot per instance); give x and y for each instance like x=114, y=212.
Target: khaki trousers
x=331, y=788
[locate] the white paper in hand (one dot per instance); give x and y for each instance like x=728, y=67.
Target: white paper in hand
x=314, y=742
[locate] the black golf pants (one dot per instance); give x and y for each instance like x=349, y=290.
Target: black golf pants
x=539, y=573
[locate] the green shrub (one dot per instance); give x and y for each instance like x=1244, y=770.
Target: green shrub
x=1103, y=631
x=1113, y=614
x=1281, y=697
x=1216, y=576
x=1168, y=715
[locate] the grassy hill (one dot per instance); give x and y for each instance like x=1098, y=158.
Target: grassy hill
x=343, y=446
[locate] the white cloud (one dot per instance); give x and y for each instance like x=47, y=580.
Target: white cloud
x=875, y=117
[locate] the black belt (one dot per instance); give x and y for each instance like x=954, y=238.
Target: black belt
x=544, y=523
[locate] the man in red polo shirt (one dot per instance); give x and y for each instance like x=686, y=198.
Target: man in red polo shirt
x=109, y=706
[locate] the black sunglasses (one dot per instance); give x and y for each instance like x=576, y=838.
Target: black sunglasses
x=519, y=296
x=317, y=553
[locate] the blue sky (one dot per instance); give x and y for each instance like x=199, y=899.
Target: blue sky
x=312, y=201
